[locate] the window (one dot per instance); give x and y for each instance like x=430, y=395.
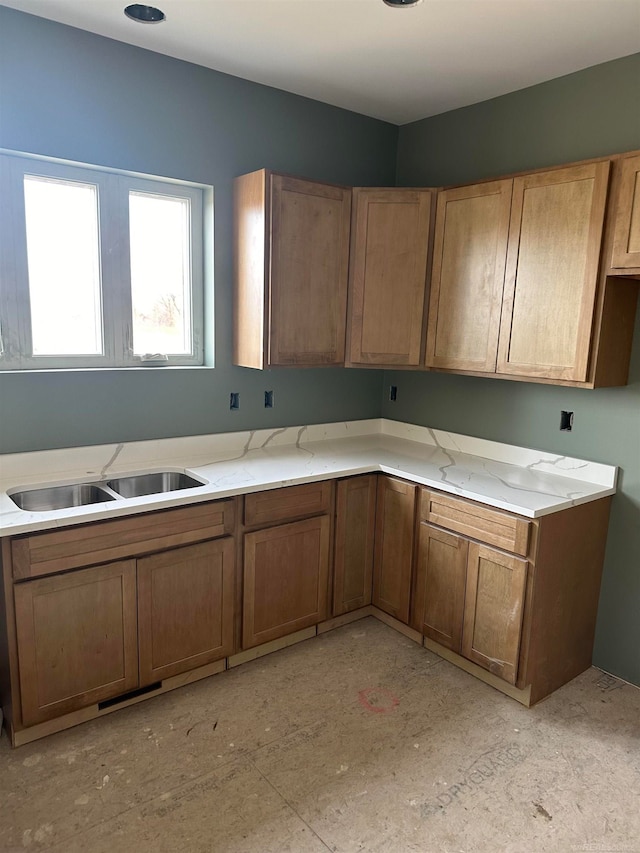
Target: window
x=97, y=268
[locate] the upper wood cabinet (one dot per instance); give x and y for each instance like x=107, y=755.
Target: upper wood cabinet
x=555, y=237
x=626, y=239
x=291, y=262
x=469, y=256
x=387, y=277
x=515, y=285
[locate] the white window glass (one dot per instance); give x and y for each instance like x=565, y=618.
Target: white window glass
x=160, y=273
x=63, y=266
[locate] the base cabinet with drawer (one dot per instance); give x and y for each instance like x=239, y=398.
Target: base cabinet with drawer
x=516, y=597
x=100, y=615
x=286, y=565
x=82, y=631
x=473, y=599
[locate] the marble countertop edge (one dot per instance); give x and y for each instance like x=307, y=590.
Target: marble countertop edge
x=251, y=461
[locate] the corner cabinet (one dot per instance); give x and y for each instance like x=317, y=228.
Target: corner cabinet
x=515, y=278
x=353, y=543
x=555, y=238
x=393, y=554
x=291, y=263
x=389, y=266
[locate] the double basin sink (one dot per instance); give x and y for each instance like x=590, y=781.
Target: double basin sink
x=84, y=494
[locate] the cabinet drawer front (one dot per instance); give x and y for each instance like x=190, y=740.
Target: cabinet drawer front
x=488, y=525
x=287, y=504
x=97, y=542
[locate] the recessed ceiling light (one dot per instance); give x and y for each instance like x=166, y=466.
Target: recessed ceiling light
x=144, y=14
x=398, y=4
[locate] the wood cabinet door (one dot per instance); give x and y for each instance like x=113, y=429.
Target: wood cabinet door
x=493, y=610
x=387, y=280
x=77, y=639
x=554, y=249
x=185, y=608
x=626, y=238
x=286, y=571
x=393, y=553
x=310, y=226
x=469, y=256
x=440, y=586
x=353, y=543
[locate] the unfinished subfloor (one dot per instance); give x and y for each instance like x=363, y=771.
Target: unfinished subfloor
x=357, y=740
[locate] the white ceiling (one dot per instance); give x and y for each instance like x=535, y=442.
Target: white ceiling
x=394, y=64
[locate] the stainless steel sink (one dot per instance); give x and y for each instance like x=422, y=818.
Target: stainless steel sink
x=151, y=484
x=60, y=497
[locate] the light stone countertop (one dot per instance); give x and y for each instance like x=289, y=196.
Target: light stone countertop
x=531, y=483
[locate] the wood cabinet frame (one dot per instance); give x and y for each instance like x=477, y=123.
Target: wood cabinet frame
x=290, y=279
x=389, y=268
x=598, y=175
x=625, y=252
x=448, y=252
x=606, y=314
x=551, y=605
x=46, y=645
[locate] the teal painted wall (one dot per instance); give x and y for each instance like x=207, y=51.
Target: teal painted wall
x=67, y=93
x=592, y=112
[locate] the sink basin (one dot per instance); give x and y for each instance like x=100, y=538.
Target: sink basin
x=60, y=497
x=151, y=484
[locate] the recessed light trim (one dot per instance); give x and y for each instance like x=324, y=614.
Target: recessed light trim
x=401, y=4
x=144, y=14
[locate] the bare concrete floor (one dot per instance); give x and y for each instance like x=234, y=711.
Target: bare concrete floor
x=357, y=740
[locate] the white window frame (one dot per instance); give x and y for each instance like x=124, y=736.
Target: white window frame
x=113, y=233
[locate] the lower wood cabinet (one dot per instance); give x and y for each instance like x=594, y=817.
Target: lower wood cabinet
x=471, y=599
x=286, y=571
x=185, y=608
x=77, y=639
x=353, y=543
x=511, y=599
x=393, y=555
x=493, y=610
x=89, y=632
x=440, y=591
x=514, y=596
